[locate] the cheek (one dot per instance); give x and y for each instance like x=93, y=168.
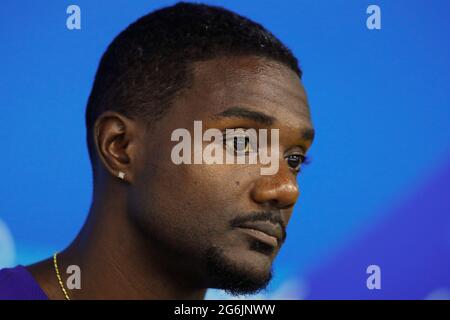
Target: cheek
x=187, y=206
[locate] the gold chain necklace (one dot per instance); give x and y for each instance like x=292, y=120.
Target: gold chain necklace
x=55, y=262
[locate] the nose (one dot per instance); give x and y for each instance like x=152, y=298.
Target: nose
x=279, y=191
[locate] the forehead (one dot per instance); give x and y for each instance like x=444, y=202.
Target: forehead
x=251, y=82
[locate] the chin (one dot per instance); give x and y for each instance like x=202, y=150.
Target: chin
x=238, y=272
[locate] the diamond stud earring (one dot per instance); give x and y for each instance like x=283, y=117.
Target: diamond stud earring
x=121, y=175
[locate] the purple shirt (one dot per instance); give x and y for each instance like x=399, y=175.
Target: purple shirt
x=18, y=284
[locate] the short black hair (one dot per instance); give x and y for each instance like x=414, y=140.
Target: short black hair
x=147, y=65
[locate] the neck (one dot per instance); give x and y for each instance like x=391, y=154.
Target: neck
x=117, y=262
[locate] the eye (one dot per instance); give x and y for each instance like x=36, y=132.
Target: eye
x=239, y=143
x=295, y=161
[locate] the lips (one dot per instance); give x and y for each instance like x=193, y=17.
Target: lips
x=266, y=232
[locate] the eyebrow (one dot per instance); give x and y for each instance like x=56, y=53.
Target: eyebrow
x=244, y=113
x=308, y=134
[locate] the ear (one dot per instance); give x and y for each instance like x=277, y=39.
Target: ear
x=114, y=136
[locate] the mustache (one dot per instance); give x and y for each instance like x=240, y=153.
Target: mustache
x=271, y=216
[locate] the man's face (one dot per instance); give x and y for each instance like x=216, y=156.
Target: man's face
x=213, y=219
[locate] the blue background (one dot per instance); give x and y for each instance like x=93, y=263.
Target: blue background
x=377, y=190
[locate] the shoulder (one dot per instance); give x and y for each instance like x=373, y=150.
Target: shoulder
x=18, y=284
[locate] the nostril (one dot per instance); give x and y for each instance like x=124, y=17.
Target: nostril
x=286, y=206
